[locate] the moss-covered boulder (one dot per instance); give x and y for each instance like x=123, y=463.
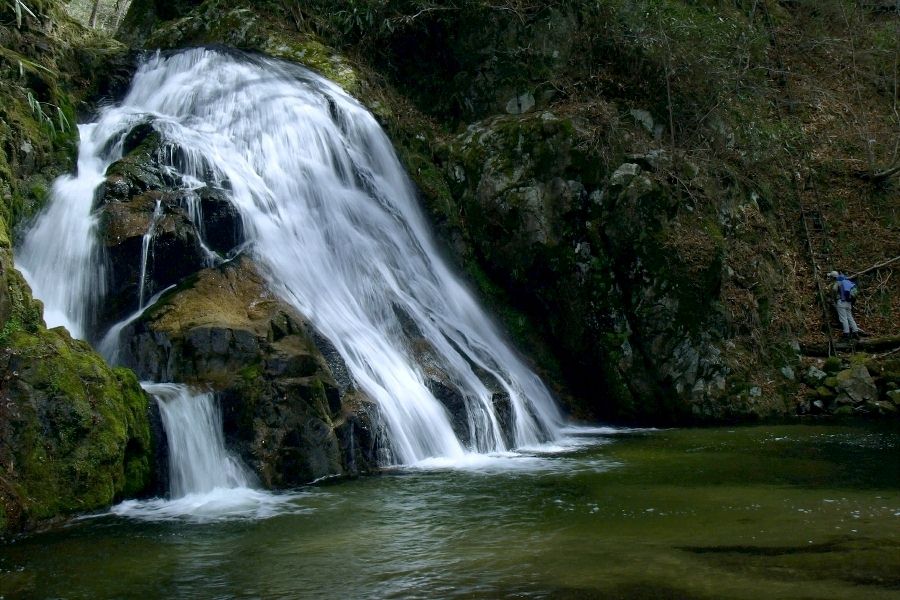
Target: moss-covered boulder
x=74, y=433
x=290, y=407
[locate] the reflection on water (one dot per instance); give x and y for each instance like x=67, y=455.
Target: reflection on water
x=789, y=512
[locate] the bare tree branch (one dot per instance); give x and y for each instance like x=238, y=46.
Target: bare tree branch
x=880, y=265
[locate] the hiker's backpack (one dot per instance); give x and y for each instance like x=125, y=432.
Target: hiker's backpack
x=848, y=290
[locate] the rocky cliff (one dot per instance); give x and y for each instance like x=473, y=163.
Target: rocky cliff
x=626, y=183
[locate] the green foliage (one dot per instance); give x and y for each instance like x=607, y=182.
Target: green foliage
x=47, y=114
x=832, y=365
x=20, y=9
x=485, y=47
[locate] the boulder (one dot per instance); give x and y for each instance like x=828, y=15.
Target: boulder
x=152, y=225
x=882, y=407
x=521, y=104
x=855, y=386
x=284, y=410
x=814, y=376
x=74, y=433
x=894, y=397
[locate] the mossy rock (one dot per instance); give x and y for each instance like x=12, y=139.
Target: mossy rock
x=76, y=433
x=282, y=397
x=824, y=392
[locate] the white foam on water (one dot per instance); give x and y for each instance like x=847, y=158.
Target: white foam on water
x=218, y=504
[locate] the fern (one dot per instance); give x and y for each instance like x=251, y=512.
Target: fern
x=21, y=9
x=37, y=109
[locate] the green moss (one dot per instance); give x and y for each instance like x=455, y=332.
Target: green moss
x=832, y=365
x=251, y=373
x=81, y=436
x=824, y=392
x=433, y=185
x=313, y=54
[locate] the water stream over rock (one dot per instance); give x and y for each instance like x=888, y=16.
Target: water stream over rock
x=206, y=481
x=331, y=218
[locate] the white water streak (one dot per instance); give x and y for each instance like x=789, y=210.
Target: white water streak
x=206, y=482
x=198, y=460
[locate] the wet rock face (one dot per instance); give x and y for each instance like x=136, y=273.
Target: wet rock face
x=441, y=384
x=284, y=410
x=185, y=230
x=289, y=409
x=589, y=256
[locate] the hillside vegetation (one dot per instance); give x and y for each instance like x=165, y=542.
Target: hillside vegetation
x=647, y=194
x=625, y=182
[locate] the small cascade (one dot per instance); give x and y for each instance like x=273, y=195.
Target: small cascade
x=206, y=481
x=146, y=246
x=60, y=256
x=198, y=460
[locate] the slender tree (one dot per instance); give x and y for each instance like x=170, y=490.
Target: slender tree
x=121, y=8
x=92, y=22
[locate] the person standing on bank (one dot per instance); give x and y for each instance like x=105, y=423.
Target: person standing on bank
x=845, y=292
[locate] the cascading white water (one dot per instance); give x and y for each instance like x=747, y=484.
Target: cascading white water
x=333, y=219
x=59, y=257
x=198, y=460
x=145, y=252
x=206, y=482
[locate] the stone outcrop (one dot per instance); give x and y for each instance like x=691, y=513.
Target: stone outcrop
x=292, y=413
x=608, y=265
x=188, y=229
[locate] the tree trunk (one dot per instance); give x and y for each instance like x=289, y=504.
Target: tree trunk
x=121, y=7
x=92, y=22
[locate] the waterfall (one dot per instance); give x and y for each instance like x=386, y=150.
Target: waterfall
x=206, y=482
x=198, y=460
x=333, y=220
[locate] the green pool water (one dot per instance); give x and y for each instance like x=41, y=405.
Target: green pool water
x=754, y=512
